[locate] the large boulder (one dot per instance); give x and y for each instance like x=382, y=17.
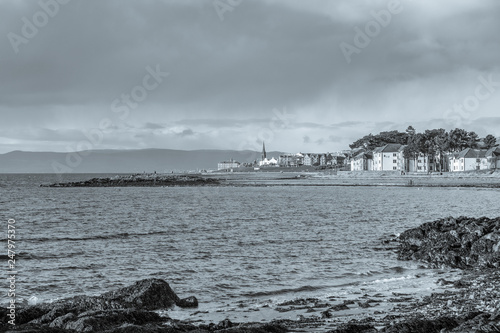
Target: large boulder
x=129, y=305
x=461, y=243
x=148, y=294
x=188, y=302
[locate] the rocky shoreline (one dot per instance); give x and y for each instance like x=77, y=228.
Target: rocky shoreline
x=141, y=180
x=468, y=304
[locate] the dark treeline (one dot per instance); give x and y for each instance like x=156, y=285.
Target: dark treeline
x=431, y=143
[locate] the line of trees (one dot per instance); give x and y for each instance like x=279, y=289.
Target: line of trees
x=431, y=143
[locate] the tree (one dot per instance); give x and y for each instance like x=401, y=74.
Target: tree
x=435, y=144
x=413, y=148
x=410, y=131
x=472, y=140
x=489, y=141
x=371, y=141
x=458, y=140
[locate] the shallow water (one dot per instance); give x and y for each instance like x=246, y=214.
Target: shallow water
x=235, y=248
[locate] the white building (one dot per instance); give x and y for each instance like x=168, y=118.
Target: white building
x=469, y=159
x=265, y=162
x=420, y=163
x=291, y=160
x=363, y=161
x=386, y=158
x=307, y=159
x=228, y=165
x=493, y=158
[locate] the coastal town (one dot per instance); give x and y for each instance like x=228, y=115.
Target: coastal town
x=473, y=154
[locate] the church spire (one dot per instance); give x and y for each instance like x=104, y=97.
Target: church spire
x=264, y=156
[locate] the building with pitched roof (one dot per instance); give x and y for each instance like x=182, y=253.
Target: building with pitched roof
x=291, y=160
x=493, y=158
x=362, y=161
x=228, y=165
x=469, y=159
x=386, y=158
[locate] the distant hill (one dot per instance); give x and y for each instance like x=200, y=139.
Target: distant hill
x=123, y=161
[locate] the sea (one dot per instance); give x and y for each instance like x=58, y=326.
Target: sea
x=241, y=250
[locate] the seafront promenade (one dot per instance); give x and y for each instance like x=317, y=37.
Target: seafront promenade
x=320, y=178
x=361, y=178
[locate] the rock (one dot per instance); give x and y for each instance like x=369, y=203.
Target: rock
x=125, y=306
x=105, y=320
x=60, y=321
x=226, y=323
x=142, y=180
x=365, y=305
x=478, y=323
x=340, y=307
x=460, y=243
x=149, y=294
x=257, y=328
x=326, y=314
x=422, y=326
x=443, y=282
x=189, y=302
x=355, y=328
x=25, y=315
x=50, y=316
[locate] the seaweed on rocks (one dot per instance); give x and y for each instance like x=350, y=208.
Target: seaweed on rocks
x=460, y=243
x=142, y=180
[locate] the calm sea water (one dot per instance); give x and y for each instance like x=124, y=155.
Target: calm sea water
x=234, y=248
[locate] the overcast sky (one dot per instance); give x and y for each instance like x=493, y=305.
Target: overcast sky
x=304, y=75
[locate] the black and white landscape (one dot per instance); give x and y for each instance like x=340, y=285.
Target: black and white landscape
x=250, y=165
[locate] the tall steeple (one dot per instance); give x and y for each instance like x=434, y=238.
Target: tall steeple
x=263, y=151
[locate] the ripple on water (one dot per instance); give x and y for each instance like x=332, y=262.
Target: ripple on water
x=237, y=244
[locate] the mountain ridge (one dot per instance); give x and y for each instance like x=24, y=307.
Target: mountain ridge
x=122, y=160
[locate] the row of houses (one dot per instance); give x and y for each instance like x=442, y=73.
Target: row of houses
x=337, y=160
x=386, y=158
x=313, y=159
x=391, y=158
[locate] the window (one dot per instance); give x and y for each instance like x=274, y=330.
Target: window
x=419, y=161
x=478, y=160
x=419, y=168
x=394, y=161
x=394, y=155
x=394, y=168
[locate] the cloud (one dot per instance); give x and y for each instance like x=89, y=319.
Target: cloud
x=227, y=77
x=153, y=126
x=186, y=132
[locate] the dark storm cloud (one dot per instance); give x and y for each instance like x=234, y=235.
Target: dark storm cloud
x=186, y=132
x=226, y=77
x=92, y=51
